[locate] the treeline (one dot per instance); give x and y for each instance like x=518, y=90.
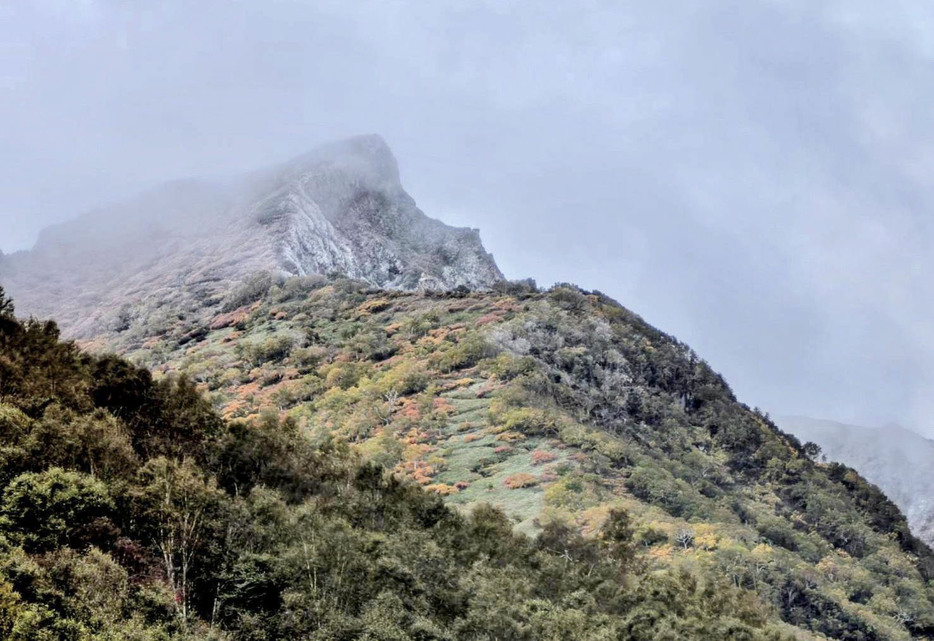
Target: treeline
x=130, y=510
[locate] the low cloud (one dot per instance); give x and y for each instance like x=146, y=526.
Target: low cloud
x=750, y=176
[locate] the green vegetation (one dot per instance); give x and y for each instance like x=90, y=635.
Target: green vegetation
x=632, y=496
x=130, y=511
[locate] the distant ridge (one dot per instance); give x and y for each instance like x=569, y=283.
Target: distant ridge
x=899, y=461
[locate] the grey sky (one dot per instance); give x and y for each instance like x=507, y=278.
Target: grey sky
x=753, y=177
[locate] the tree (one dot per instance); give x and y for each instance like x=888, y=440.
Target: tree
x=6, y=304
x=618, y=538
x=179, y=508
x=55, y=508
x=685, y=538
x=812, y=450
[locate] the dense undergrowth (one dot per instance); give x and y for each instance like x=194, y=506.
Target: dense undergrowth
x=130, y=510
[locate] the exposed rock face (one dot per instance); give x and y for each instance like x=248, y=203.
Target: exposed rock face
x=897, y=460
x=339, y=209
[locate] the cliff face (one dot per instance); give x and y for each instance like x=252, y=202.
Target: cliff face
x=339, y=209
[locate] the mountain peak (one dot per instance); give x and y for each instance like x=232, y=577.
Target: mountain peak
x=339, y=208
x=366, y=156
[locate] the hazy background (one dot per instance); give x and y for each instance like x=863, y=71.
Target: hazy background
x=753, y=177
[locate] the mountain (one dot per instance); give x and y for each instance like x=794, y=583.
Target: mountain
x=130, y=511
x=558, y=407
x=341, y=439
x=338, y=209
x=899, y=461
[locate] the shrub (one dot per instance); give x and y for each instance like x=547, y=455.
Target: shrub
x=540, y=457
x=252, y=290
x=652, y=536
x=517, y=481
x=507, y=366
x=467, y=353
x=272, y=349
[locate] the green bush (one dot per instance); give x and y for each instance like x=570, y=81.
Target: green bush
x=54, y=508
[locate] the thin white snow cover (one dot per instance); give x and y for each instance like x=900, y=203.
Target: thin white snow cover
x=339, y=209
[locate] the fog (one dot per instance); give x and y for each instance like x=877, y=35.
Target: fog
x=752, y=177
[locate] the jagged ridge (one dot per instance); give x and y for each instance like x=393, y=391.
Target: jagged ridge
x=339, y=209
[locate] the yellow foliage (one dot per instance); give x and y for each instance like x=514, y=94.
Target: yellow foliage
x=763, y=552
x=510, y=437
x=373, y=307
x=706, y=537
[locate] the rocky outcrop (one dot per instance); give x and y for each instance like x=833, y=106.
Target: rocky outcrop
x=339, y=209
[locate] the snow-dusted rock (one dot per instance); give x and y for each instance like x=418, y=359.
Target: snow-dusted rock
x=185, y=245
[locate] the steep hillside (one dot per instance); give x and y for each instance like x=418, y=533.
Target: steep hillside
x=339, y=209
x=899, y=461
x=559, y=407
x=130, y=511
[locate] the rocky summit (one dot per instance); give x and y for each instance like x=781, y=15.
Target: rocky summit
x=340, y=209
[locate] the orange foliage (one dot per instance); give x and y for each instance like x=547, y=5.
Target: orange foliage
x=442, y=488
x=540, y=457
x=373, y=307
x=419, y=471
x=488, y=319
x=250, y=389
x=234, y=409
x=410, y=409
x=230, y=319
x=517, y=481
x=442, y=405
x=506, y=305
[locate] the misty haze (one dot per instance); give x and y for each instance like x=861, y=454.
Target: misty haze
x=473, y=321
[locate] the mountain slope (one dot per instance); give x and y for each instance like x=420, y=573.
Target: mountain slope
x=558, y=407
x=563, y=409
x=897, y=460
x=340, y=208
x=130, y=511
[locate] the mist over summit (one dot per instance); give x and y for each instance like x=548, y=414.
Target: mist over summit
x=340, y=208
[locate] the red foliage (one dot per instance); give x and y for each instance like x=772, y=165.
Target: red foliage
x=230, y=319
x=540, y=456
x=488, y=319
